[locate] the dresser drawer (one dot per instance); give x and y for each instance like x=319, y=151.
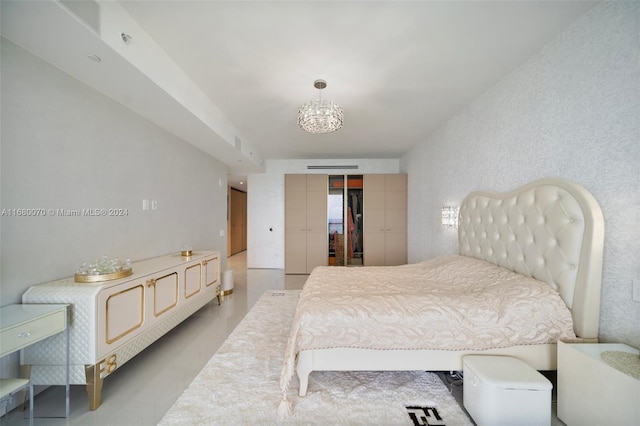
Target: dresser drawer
x=14, y=338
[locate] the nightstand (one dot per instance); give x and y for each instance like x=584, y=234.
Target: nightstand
x=590, y=391
x=22, y=325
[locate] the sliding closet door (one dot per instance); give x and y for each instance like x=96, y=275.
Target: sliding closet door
x=345, y=219
x=335, y=219
x=295, y=199
x=305, y=222
x=375, y=225
x=354, y=213
x=316, y=221
x=395, y=219
x=385, y=227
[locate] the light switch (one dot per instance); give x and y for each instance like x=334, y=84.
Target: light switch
x=154, y=204
x=145, y=204
x=222, y=232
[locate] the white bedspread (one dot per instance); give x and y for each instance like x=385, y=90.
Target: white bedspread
x=449, y=302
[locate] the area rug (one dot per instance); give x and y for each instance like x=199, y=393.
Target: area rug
x=240, y=384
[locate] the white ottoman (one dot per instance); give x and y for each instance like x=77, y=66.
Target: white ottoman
x=502, y=390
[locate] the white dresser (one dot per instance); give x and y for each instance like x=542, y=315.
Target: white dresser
x=112, y=321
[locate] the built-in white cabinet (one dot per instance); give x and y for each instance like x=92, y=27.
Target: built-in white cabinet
x=305, y=222
x=112, y=321
x=385, y=219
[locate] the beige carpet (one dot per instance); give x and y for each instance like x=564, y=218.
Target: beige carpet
x=240, y=384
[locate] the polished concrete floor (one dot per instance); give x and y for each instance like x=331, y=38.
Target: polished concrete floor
x=142, y=391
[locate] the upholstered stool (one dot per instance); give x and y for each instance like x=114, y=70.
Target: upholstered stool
x=503, y=390
x=226, y=288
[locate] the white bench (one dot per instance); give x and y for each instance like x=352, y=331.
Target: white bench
x=503, y=390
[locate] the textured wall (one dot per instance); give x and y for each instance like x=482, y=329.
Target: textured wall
x=65, y=146
x=571, y=111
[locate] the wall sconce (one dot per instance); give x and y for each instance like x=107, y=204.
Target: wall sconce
x=450, y=216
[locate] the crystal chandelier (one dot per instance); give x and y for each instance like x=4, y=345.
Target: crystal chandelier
x=320, y=116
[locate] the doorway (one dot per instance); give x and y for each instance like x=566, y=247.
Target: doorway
x=237, y=223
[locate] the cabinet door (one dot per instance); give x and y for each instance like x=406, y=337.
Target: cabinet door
x=165, y=293
x=306, y=222
x=317, y=234
x=192, y=280
x=120, y=316
x=385, y=224
x=295, y=224
x=296, y=252
x=124, y=312
x=374, y=234
x=395, y=248
x=395, y=219
x=374, y=223
x=211, y=271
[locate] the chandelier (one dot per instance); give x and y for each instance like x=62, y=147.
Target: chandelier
x=320, y=116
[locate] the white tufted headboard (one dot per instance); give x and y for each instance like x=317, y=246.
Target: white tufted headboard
x=551, y=229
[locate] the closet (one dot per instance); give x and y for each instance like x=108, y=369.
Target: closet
x=305, y=223
x=345, y=220
x=385, y=224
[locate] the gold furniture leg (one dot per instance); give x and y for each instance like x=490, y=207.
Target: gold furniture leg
x=94, y=385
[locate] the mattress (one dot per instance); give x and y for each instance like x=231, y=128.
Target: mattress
x=447, y=303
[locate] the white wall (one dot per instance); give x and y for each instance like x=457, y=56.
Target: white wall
x=572, y=111
x=265, y=221
x=265, y=203
x=66, y=146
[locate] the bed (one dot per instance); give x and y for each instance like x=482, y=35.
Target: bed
x=543, y=242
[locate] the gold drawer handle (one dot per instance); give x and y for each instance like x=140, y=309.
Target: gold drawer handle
x=151, y=282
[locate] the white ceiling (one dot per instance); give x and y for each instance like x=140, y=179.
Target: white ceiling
x=398, y=68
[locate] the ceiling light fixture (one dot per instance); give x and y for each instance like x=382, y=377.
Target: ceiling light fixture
x=320, y=116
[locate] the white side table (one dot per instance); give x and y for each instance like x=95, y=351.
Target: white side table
x=22, y=325
x=590, y=391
